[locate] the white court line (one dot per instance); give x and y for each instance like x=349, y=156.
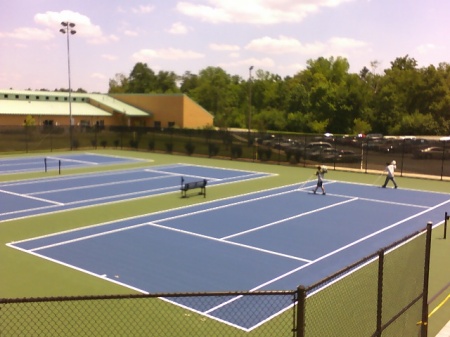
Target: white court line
x=73, y=160
x=114, y=172
x=353, y=243
x=87, y=237
x=151, y=224
x=182, y=175
x=97, y=185
x=118, y=157
x=382, y=201
x=77, y=268
x=311, y=262
x=71, y=177
x=31, y=197
x=226, y=206
x=333, y=253
x=288, y=219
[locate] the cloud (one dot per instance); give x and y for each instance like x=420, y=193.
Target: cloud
x=346, y=43
x=427, y=48
x=109, y=57
x=178, y=29
x=28, y=33
x=264, y=12
x=262, y=63
x=99, y=76
x=131, y=33
x=224, y=47
x=166, y=54
x=284, y=44
x=143, y=9
x=83, y=25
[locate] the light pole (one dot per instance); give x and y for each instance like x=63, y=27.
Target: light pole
x=68, y=30
x=249, y=103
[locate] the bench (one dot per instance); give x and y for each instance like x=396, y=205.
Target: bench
x=185, y=187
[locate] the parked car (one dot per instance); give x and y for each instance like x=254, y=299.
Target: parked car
x=336, y=156
x=314, y=149
x=348, y=156
x=432, y=152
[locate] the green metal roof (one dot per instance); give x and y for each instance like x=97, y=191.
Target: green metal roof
x=24, y=102
x=36, y=108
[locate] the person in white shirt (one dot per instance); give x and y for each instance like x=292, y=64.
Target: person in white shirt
x=320, y=173
x=390, y=172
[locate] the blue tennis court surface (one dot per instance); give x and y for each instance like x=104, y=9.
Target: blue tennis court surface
x=38, y=196
x=40, y=163
x=271, y=240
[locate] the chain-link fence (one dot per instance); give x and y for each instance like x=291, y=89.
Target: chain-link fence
x=383, y=295
x=414, y=156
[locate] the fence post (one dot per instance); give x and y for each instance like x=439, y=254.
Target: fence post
x=445, y=225
x=426, y=274
x=301, y=299
x=380, y=293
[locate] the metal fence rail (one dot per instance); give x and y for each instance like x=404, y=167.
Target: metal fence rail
x=382, y=295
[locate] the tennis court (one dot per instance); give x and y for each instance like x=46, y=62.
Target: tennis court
x=38, y=196
x=269, y=240
x=60, y=161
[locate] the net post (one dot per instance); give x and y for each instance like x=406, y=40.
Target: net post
x=426, y=276
x=59, y=166
x=45, y=164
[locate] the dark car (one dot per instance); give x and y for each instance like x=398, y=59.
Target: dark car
x=348, y=156
x=342, y=156
x=432, y=152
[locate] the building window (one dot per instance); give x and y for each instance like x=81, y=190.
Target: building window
x=157, y=125
x=171, y=124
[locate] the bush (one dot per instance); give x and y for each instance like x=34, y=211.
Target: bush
x=190, y=147
x=169, y=147
x=134, y=143
x=264, y=154
x=103, y=143
x=213, y=149
x=236, y=151
x=151, y=145
x=75, y=144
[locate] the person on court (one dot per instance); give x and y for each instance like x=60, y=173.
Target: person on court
x=319, y=174
x=390, y=169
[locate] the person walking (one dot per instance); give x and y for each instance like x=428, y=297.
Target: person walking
x=320, y=174
x=390, y=172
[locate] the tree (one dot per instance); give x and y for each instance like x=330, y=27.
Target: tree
x=118, y=85
x=213, y=91
x=166, y=82
x=142, y=79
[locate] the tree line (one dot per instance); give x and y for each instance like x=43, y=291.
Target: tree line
x=324, y=97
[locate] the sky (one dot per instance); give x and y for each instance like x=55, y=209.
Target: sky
x=277, y=36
